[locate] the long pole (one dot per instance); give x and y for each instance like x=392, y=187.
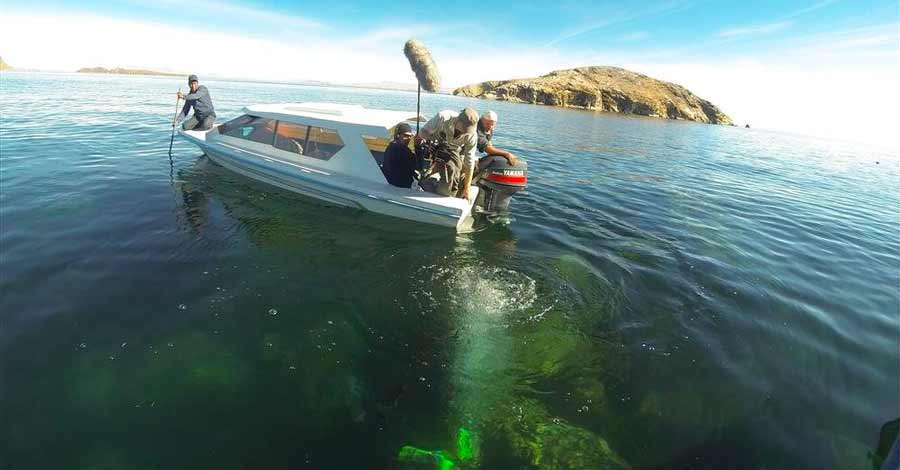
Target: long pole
x=172, y=140
x=419, y=161
x=418, y=101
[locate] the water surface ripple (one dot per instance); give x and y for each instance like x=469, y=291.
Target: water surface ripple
x=695, y=296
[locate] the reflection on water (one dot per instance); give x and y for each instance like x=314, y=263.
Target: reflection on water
x=668, y=295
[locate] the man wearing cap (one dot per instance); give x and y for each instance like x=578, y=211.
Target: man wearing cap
x=486, y=132
x=457, y=129
x=204, y=113
x=399, y=160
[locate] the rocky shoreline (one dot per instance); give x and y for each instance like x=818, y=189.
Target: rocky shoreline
x=602, y=88
x=123, y=71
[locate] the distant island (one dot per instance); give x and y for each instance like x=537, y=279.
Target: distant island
x=122, y=71
x=4, y=65
x=602, y=88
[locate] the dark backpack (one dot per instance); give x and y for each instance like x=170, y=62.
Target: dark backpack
x=444, y=175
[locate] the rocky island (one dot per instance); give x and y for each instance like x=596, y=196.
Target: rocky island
x=122, y=71
x=601, y=88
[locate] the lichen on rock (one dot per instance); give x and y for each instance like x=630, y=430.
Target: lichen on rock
x=531, y=434
x=610, y=89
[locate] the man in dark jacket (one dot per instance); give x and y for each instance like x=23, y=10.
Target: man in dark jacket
x=204, y=113
x=399, y=161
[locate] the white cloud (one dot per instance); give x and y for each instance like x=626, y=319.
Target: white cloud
x=635, y=36
x=809, y=9
x=233, y=11
x=87, y=41
x=768, y=28
x=838, y=84
x=370, y=56
x=882, y=38
x=618, y=17
x=830, y=101
x=778, y=24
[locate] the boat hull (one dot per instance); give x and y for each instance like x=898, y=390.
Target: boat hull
x=326, y=187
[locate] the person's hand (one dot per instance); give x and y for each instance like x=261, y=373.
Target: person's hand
x=180, y=95
x=511, y=159
x=465, y=194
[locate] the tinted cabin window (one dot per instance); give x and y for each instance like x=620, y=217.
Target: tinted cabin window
x=253, y=128
x=377, y=146
x=291, y=137
x=322, y=143
x=232, y=124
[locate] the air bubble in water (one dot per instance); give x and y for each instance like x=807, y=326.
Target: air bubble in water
x=273, y=312
x=182, y=307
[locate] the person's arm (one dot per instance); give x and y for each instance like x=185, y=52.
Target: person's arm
x=491, y=150
x=185, y=109
x=183, y=114
x=471, y=160
x=430, y=128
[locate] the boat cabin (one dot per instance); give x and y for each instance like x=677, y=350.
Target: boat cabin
x=329, y=151
x=321, y=135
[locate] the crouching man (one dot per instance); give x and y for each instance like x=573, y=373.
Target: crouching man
x=199, y=99
x=486, y=132
x=457, y=132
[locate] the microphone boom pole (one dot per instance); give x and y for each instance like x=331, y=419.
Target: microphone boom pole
x=426, y=71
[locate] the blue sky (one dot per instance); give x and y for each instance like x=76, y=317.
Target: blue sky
x=721, y=28
x=737, y=54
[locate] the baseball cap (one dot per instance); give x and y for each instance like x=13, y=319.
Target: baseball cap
x=403, y=128
x=468, y=117
x=193, y=78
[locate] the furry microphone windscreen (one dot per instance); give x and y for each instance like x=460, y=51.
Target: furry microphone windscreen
x=421, y=63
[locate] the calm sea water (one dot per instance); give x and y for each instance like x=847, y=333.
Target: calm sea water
x=668, y=295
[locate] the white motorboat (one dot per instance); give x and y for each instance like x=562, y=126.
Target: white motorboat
x=333, y=152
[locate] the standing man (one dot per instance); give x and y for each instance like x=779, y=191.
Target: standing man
x=457, y=129
x=486, y=132
x=204, y=113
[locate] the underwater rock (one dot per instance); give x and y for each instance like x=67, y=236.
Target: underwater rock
x=198, y=366
x=545, y=346
x=194, y=369
x=318, y=363
x=585, y=294
x=698, y=419
x=531, y=434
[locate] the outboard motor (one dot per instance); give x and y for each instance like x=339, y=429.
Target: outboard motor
x=497, y=181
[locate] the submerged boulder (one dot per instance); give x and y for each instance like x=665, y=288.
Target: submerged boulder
x=531, y=434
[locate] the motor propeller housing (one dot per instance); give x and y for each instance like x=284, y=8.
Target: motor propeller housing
x=498, y=182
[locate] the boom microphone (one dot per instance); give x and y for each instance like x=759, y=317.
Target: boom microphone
x=421, y=63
